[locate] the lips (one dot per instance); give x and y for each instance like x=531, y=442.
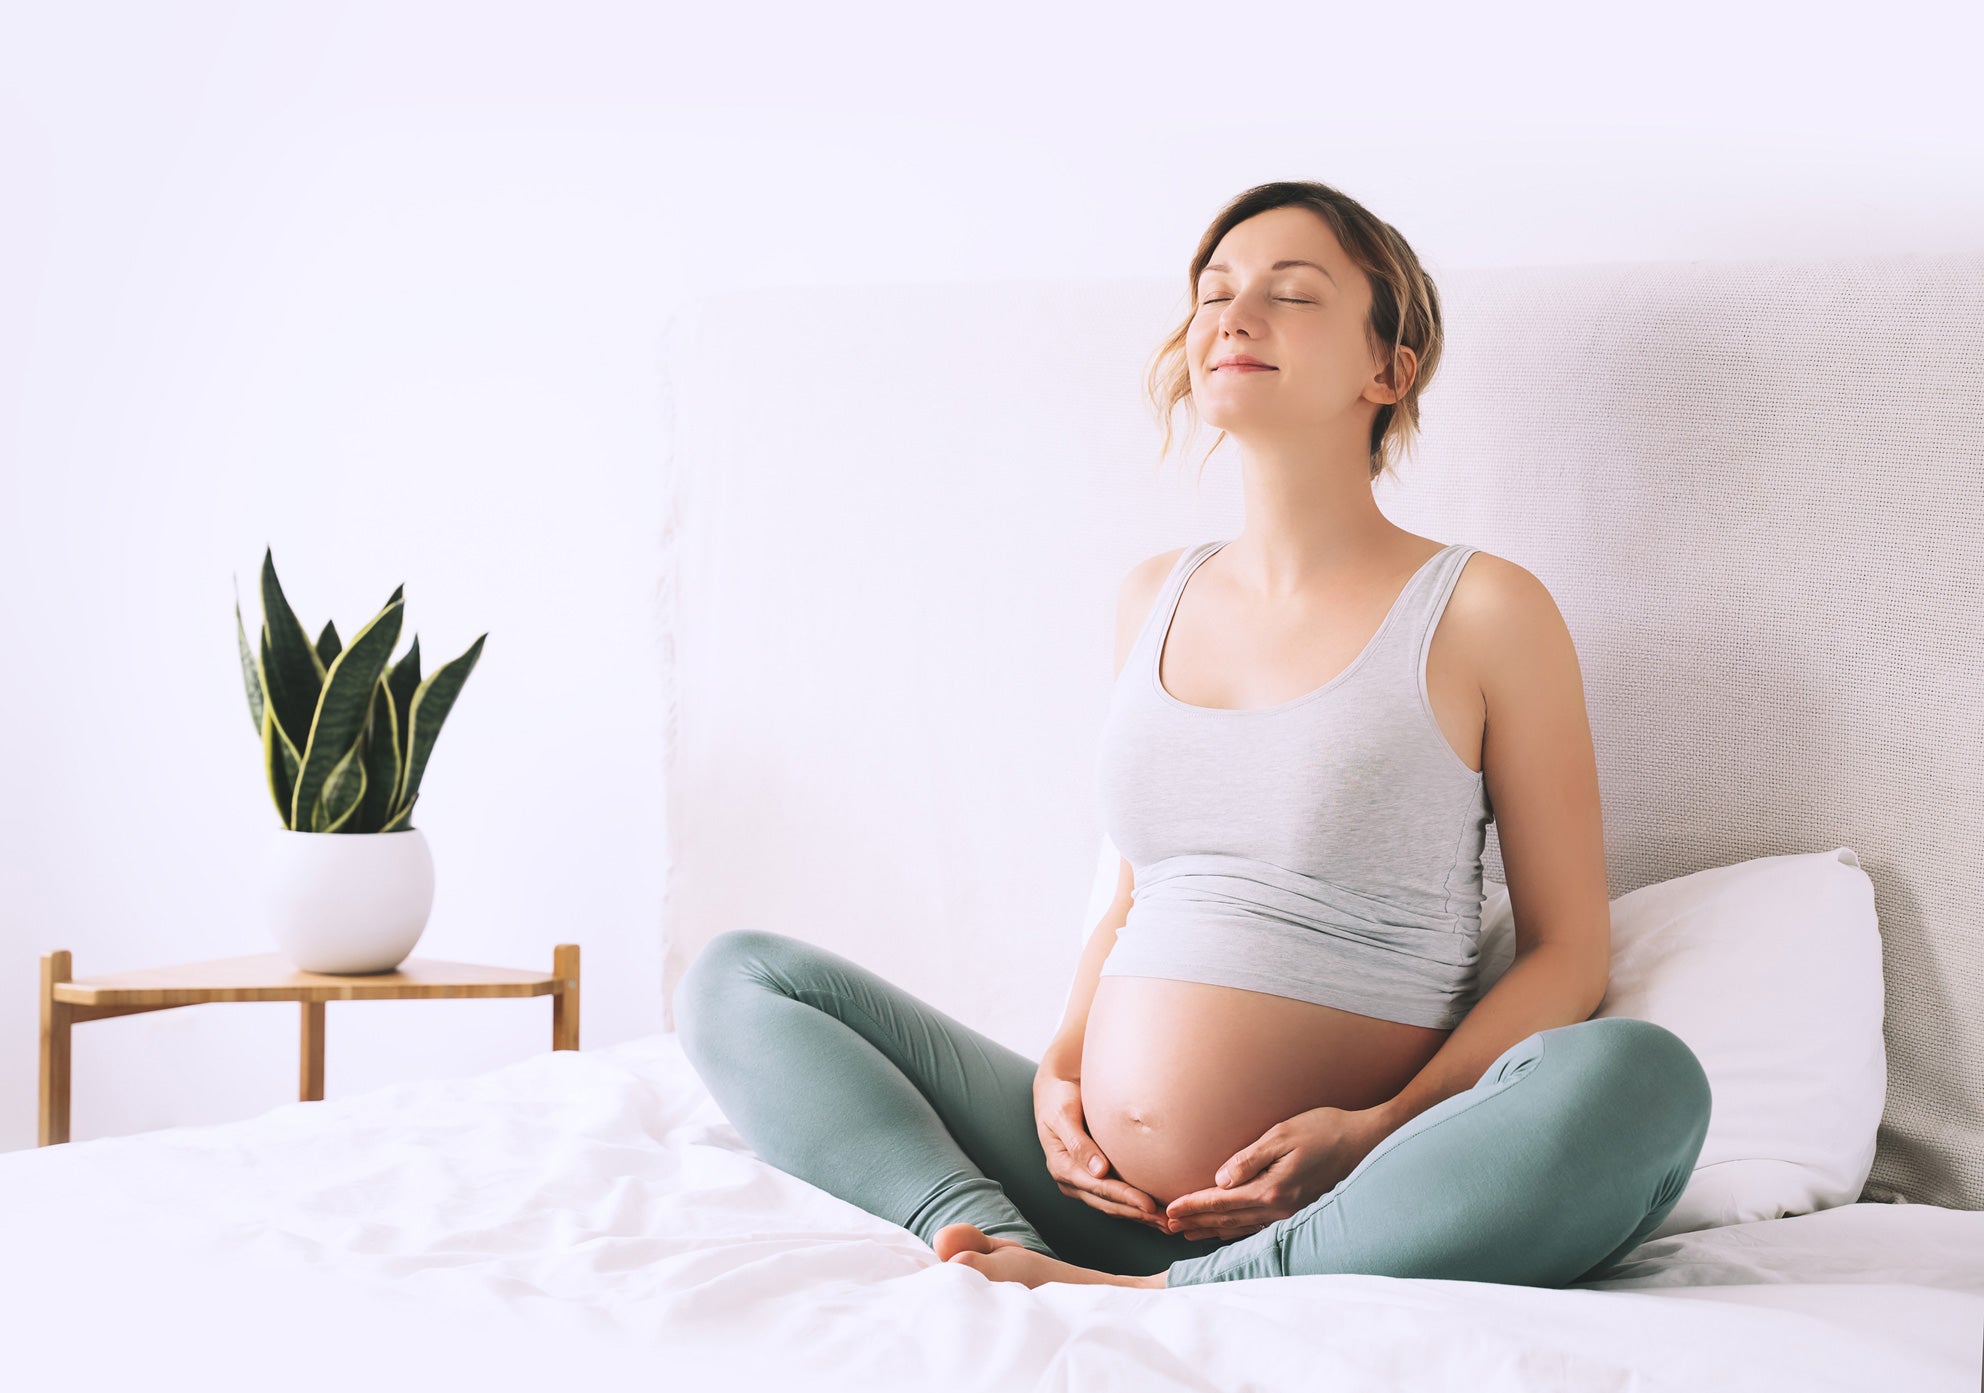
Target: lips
x=1242, y=361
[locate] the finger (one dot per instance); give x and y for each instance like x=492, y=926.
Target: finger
x=1109, y=1206
x=1130, y=1195
x=1237, y=1171
x=1116, y=1198
x=1120, y=1190
x=1258, y=1196
x=1232, y=1224
x=1125, y=1198
x=1081, y=1151
x=1117, y=1193
x=1083, y=1157
x=1197, y=1211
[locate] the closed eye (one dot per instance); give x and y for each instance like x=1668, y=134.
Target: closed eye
x=1283, y=298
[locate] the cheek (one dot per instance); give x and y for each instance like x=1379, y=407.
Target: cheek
x=1197, y=346
x=1328, y=359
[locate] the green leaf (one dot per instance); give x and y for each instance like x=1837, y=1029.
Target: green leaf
x=405, y=681
x=293, y=671
x=402, y=820
x=382, y=757
x=343, y=791
x=251, y=672
x=279, y=756
x=431, y=704
x=340, y=715
x=328, y=646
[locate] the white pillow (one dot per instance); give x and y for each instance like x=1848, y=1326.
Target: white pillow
x=1770, y=970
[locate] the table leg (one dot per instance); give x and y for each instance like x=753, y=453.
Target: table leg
x=56, y=1019
x=565, y=999
x=313, y=1052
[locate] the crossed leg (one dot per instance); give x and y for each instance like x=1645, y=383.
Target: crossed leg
x=1574, y=1145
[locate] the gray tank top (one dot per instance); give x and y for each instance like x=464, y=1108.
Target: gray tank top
x=1326, y=849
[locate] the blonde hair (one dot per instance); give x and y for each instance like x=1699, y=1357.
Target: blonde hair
x=1405, y=311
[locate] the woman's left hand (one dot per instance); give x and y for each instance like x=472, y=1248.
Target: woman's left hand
x=1294, y=1164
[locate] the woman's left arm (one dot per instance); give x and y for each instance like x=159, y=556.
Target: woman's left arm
x=1300, y=1160
x=1546, y=986
x=1542, y=779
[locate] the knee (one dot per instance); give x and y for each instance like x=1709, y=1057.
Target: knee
x=1646, y=1069
x=732, y=957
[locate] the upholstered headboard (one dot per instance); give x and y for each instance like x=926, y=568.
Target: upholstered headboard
x=899, y=515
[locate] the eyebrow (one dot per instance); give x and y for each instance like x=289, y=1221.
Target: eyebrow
x=1278, y=266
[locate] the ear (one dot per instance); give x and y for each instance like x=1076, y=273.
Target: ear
x=1407, y=363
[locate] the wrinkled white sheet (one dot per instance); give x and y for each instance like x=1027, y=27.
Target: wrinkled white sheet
x=590, y=1215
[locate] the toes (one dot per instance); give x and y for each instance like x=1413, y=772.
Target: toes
x=952, y=1239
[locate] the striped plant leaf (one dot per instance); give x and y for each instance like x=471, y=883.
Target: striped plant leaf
x=431, y=704
x=251, y=671
x=337, y=724
x=344, y=791
x=339, y=719
x=277, y=762
x=382, y=758
x=294, y=671
x=279, y=756
x=404, y=682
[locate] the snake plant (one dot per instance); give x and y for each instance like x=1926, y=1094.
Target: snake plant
x=345, y=739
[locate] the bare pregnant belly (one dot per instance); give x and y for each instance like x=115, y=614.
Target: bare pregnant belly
x=1178, y=1076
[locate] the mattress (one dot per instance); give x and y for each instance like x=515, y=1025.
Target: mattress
x=592, y=1215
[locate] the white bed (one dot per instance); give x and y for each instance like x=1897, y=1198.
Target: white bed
x=585, y=1215
x=1754, y=489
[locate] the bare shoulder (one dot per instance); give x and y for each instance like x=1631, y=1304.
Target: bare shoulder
x=1509, y=627
x=1136, y=595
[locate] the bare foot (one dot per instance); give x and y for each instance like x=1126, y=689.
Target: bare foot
x=953, y=1239
x=1004, y=1260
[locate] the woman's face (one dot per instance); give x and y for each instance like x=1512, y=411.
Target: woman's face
x=1306, y=321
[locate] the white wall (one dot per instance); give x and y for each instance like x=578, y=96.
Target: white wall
x=381, y=286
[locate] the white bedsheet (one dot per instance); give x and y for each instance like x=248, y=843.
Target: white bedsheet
x=591, y=1216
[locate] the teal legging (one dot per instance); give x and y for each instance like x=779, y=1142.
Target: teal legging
x=1571, y=1149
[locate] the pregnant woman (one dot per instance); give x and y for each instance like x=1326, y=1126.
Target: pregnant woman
x=1275, y=1059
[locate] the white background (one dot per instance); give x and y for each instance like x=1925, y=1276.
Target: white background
x=380, y=286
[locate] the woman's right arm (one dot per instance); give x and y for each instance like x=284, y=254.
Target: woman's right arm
x=1063, y=1057
x=1074, y=1161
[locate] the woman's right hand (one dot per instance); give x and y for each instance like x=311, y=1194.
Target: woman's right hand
x=1071, y=1152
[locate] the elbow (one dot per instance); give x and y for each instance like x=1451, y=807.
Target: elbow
x=1598, y=981
x=1583, y=973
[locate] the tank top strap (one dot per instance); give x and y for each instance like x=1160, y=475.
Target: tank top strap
x=1188, y=561
x=1166, y=603
x=1423, y=605
x=1397, y=653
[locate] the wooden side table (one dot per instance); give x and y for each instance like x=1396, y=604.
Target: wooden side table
x=271, y=977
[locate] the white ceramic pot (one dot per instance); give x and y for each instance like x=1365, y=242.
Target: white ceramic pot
x=347, y=902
